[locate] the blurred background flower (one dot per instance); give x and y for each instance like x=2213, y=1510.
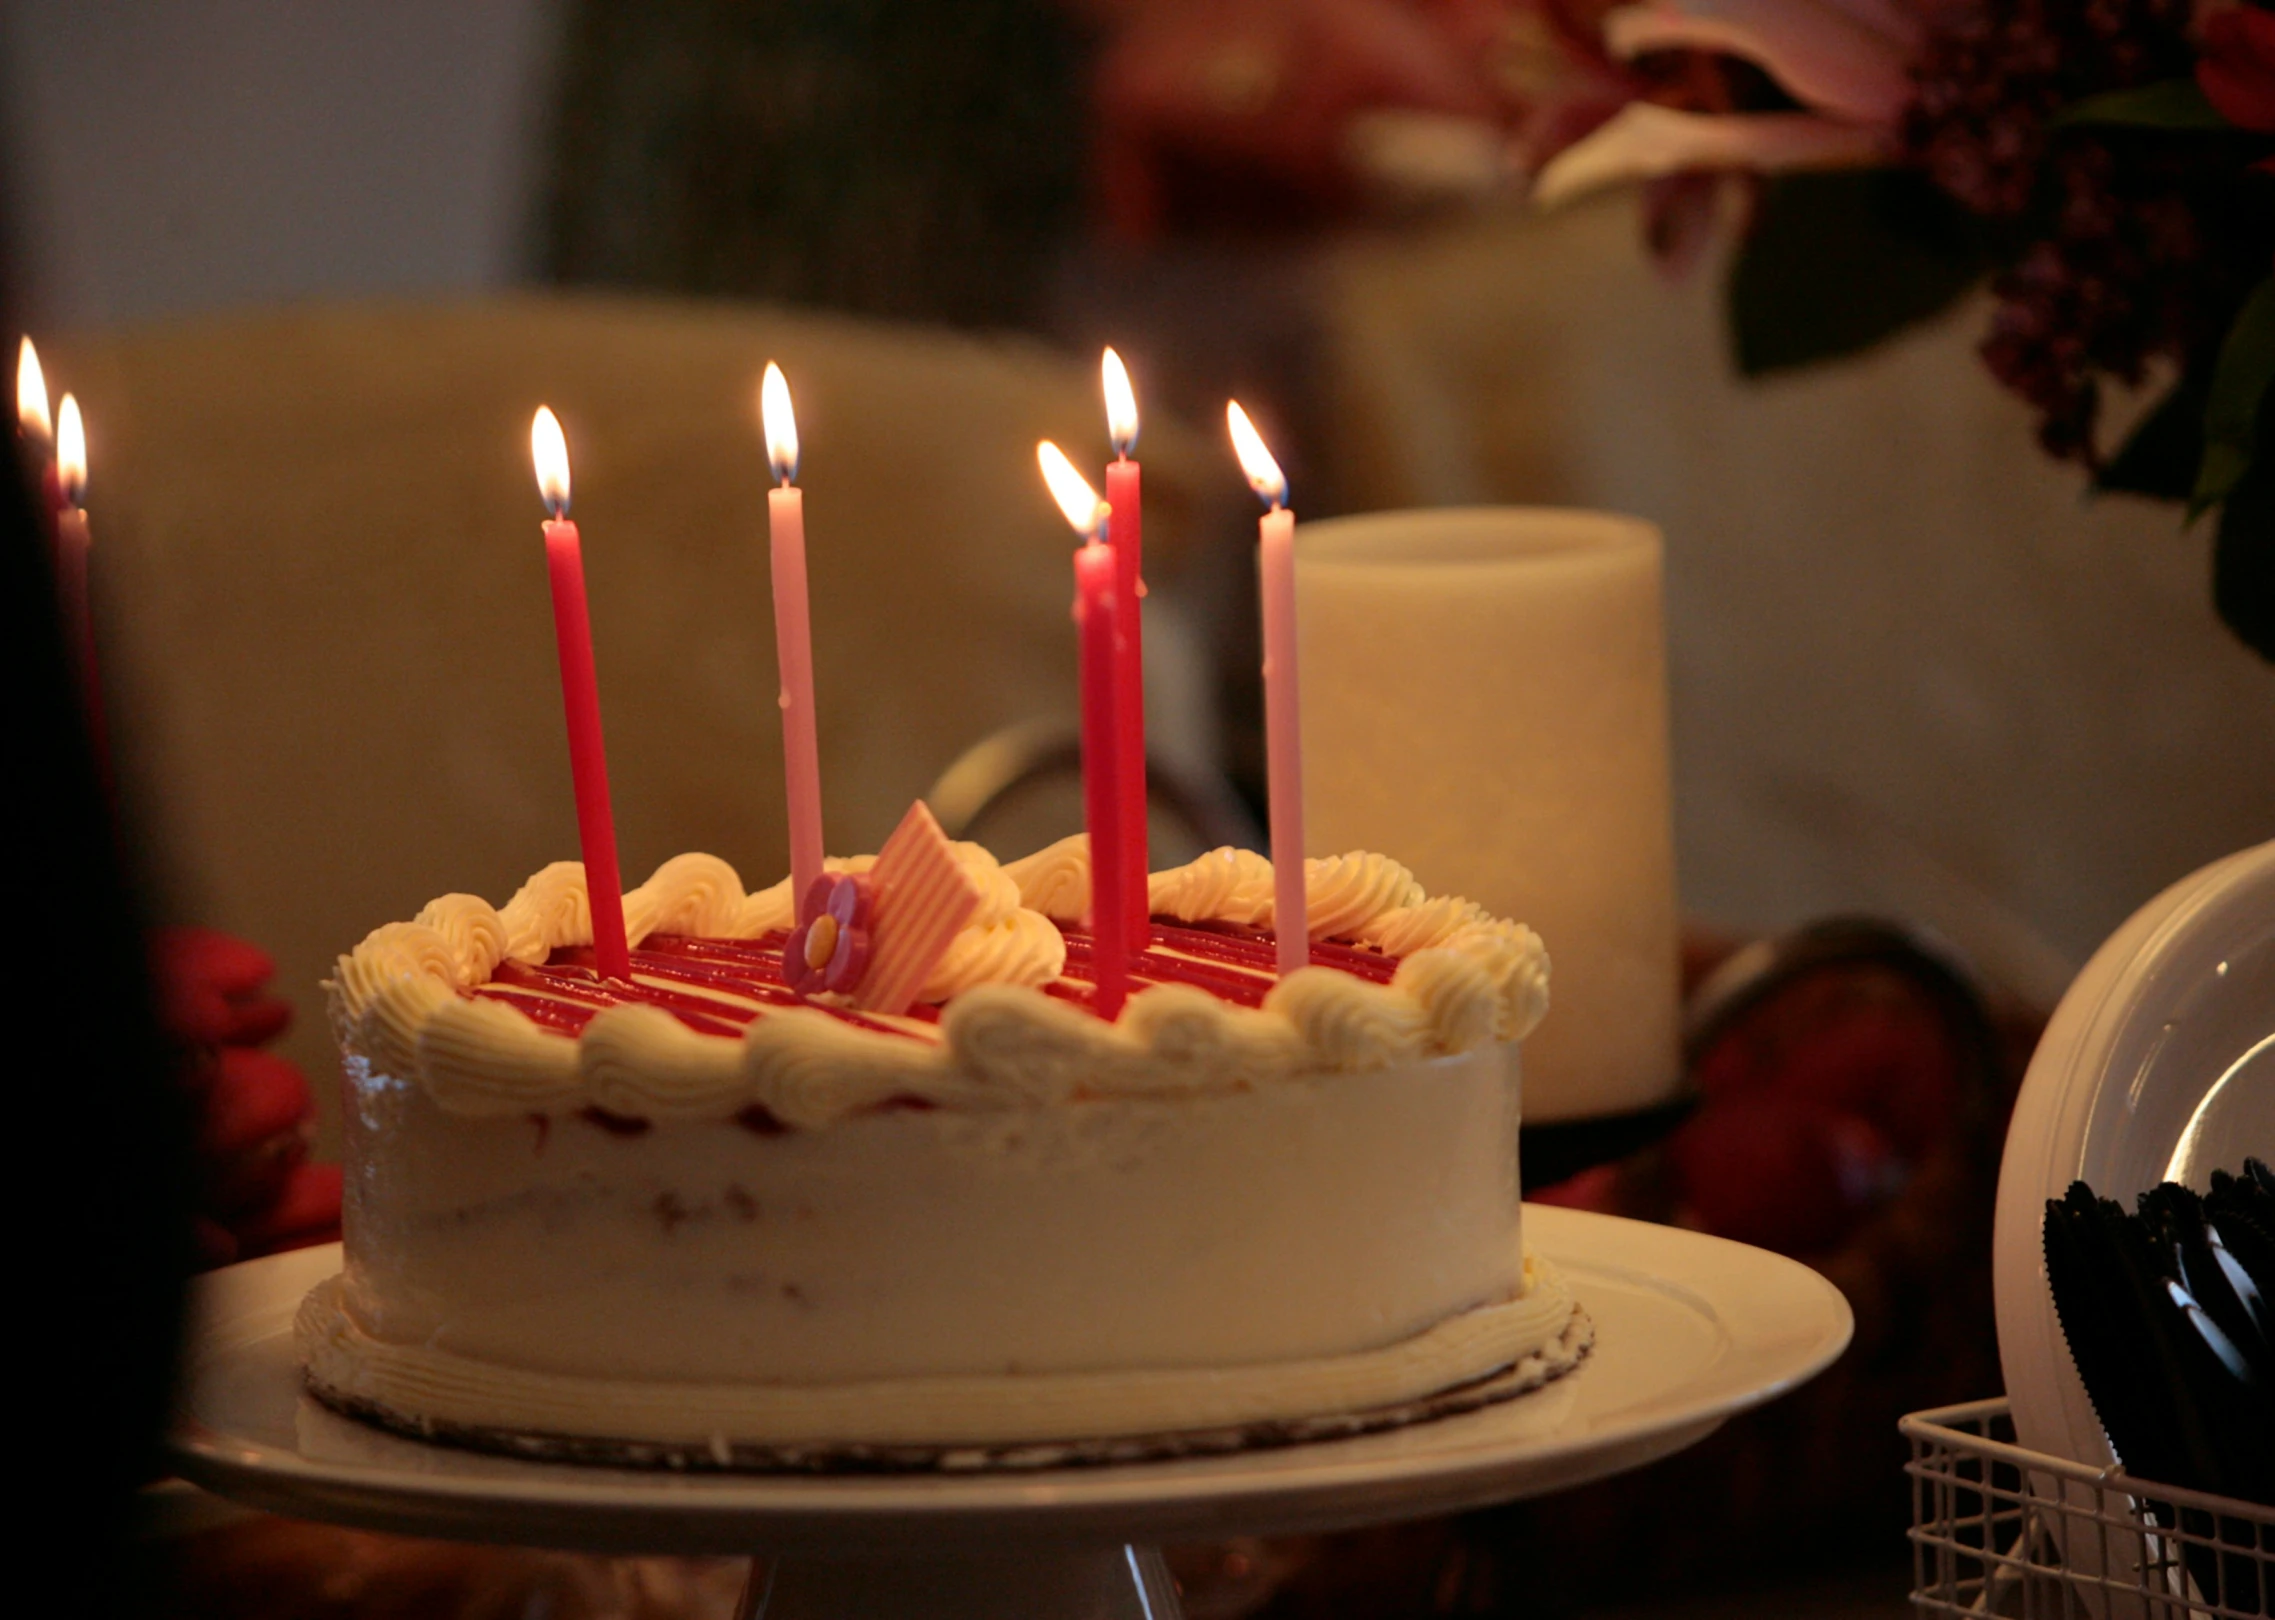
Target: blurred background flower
x=2096, y=162
x=257, y=1190
x=1830, y=80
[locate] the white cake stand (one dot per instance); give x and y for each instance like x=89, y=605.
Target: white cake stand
x=1689, y=1329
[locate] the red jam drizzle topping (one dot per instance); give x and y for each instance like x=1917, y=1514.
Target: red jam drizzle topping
x=718, y=986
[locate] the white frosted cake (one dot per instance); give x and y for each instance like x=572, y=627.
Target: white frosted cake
x=737, y=1213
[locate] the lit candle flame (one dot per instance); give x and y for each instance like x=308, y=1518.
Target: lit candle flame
x=1264, y=475
x=1083, y=509
x=1121, y=404
x=31, y=397
x=71, y=452
x=550, y=451
x=781, y=424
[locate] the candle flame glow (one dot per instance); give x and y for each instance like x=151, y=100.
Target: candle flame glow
x=1264, y=475
x=31, y=396
x=1121, y=404
x=1085, y=512
x=550, y=452
x=71, y=452
x=781, y=424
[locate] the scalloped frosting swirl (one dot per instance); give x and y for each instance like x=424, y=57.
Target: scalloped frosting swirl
x=463, y=998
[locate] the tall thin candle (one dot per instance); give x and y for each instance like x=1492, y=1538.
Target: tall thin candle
x=73, y=540
x=1105, y=813
x=580, y=699
x=793, y=637
x=1283, y=712
x=36, y=429
x=1124, y=498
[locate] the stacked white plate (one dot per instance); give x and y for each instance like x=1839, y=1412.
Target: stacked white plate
x=2159, y=1065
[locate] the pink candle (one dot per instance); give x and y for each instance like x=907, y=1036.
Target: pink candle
x=793, y=636
x=1283, y=710
x=1096, y=583
x=580, y=700
x=1126, y=535
x=74, y=599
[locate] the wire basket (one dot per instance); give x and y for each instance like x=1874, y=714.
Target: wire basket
x=2000, y=1530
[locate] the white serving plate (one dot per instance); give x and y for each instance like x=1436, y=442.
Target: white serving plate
x=1690, y=1329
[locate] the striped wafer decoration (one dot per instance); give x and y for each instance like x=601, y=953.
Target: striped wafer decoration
x=923, y=899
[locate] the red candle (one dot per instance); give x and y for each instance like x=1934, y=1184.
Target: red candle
x=1105, y=810
x=580, y=699
x=793, y=637
x=1126, y=535
x=72, y=542
x=1283, y=714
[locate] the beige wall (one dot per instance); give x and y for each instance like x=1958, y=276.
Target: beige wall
x=1914, y=669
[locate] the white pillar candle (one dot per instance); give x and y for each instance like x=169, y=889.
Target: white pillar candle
x=1484, y=698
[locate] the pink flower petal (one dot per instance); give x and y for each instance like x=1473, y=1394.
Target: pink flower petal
x=1825, y=54
x=798, y=973
x=850, y=903
x=851, y=959
x=1646, y=141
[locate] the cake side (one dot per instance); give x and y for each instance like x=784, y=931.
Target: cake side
x=1234, y=1229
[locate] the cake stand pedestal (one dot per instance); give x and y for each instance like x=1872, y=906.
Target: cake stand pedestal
x=1689, y=1330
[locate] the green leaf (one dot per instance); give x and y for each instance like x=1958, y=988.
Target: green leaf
x=2243, y=561
x=2160, y=457
x=2243, y=546
x=2239, y=382
x=2167, y=104
x=2217, y=474
x=1840, y=260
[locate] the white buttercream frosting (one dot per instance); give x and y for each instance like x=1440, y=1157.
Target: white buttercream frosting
x=476, y=934
x=1466, y=979
x=486, y=1058
x=1344, y=893
x=1004, y=943
x=689, y=894
x=1225, y=885
x=1361, y=896
x=421, y=1382
x=550, y=910
x=1055, y=880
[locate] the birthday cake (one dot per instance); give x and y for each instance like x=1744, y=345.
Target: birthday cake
x=871, y=1182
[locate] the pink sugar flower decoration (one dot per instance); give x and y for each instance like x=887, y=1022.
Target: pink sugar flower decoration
x=829, y=951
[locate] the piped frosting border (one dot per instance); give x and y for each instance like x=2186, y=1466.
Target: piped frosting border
x=400, y=1001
